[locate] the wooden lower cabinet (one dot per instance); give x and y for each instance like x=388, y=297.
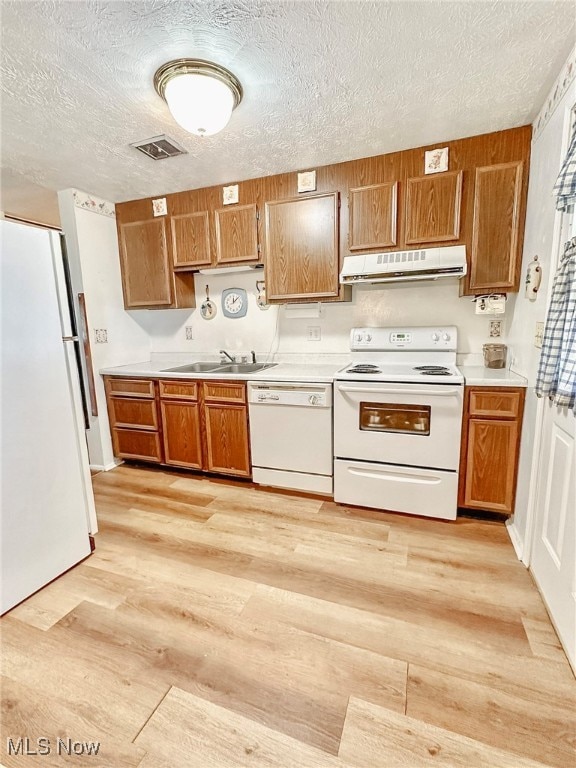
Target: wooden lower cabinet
x=227, y=447
x=181, y=434
x=181, y=423
x=137, y=444
x=490, y=448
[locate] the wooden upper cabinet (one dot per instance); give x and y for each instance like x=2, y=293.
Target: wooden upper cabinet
x=302, y=247
x=495, y=257
x=190, y=239
x=432, y=212
x=146, y=269
x=236, y=234
x=372, y=216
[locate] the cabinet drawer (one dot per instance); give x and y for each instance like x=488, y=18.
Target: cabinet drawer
x=137, y=444
x=224, y=392
x=131, y=387
x=501, y=405
x=133, y=412
x=179, y=390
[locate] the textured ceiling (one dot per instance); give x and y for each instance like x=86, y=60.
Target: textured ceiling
x=323, y=82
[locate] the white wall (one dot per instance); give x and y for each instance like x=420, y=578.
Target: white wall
x=541, y=224
x=95, y=266
x=273, y=331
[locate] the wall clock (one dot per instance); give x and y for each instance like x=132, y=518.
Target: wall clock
x=234, y=302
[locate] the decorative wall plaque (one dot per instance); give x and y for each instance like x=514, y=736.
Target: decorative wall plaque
x=307, y=181
x=230, y=194
x=159, y=207
x=436, y=160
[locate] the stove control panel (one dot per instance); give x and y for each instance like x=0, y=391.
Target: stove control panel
x=400, y=338
x=416, y=338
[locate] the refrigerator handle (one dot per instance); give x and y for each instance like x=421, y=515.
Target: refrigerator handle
x=87, y=354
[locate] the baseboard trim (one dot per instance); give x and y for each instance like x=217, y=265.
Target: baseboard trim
x=517, y=542
x=106, y=467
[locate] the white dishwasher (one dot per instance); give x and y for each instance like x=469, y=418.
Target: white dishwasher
x=291, y=435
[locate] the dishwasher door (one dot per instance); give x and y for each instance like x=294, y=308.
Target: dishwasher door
x=291, y=434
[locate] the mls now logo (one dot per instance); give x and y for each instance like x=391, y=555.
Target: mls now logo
x=44, y=746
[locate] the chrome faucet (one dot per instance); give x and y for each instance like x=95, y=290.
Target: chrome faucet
x=223, y=353
x=253, y=357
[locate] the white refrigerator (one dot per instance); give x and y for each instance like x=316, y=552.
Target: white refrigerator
x=46, y=490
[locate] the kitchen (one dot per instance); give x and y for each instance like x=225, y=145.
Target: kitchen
x=291, y=334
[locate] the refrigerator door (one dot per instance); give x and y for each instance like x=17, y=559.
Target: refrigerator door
x=46, y=489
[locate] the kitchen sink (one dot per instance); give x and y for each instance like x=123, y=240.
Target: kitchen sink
x=219, y=368
x=244, y=367
x=193, y=368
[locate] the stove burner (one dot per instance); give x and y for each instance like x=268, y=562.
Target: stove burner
x=364, y=368
x=440, y=369
x=436, y=372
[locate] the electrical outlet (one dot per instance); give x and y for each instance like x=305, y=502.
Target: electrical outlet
x=495, y=329
x=539, y=335
x=101, y=335
x=189, y=332
x=314, y=333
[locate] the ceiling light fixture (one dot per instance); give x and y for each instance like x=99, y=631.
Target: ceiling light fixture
x=200, y=94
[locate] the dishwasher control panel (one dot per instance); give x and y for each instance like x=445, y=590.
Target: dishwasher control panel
x=290, y=394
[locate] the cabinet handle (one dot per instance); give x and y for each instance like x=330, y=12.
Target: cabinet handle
x=384, y=391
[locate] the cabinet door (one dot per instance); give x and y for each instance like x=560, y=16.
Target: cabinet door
x=227, y=439
x=181, y=434
x=373, y=216
x=190, y=239
x=302, y=247
x=494, y=260
x=491, y=464
x=146, y=271
x=432, y=213
x=236, y=234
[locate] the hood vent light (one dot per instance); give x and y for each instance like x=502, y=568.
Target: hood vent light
x=159, y=147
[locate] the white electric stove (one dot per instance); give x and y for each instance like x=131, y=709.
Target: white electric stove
x=397, y=421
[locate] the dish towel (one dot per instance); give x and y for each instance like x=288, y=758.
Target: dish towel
x=557, y=370
x=565, y=187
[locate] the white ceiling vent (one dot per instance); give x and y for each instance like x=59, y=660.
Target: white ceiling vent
x=159, y=147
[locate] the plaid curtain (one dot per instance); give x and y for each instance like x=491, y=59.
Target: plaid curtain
x=557, y=371
x=565, y=187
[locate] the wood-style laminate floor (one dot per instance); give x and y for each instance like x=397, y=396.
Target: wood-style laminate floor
x=219, y=625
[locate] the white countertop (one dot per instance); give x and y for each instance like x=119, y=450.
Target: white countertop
x=312, y=372
x=474, y=375
x=479, y=376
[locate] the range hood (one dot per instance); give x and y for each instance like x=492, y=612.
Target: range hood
x=398, y=266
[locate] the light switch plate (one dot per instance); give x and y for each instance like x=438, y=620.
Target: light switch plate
x=539, y=335
x=189, y=332
x=314, y=333
x=101, y=335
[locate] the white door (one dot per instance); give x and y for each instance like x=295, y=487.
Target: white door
x=553, y=553
x=553, y=561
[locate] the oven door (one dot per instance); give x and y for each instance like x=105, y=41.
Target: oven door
x=411, y=424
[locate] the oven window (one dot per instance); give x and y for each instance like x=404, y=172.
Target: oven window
x=393, y=417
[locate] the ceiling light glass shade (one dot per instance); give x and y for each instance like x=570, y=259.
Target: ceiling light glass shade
x=200, y=95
